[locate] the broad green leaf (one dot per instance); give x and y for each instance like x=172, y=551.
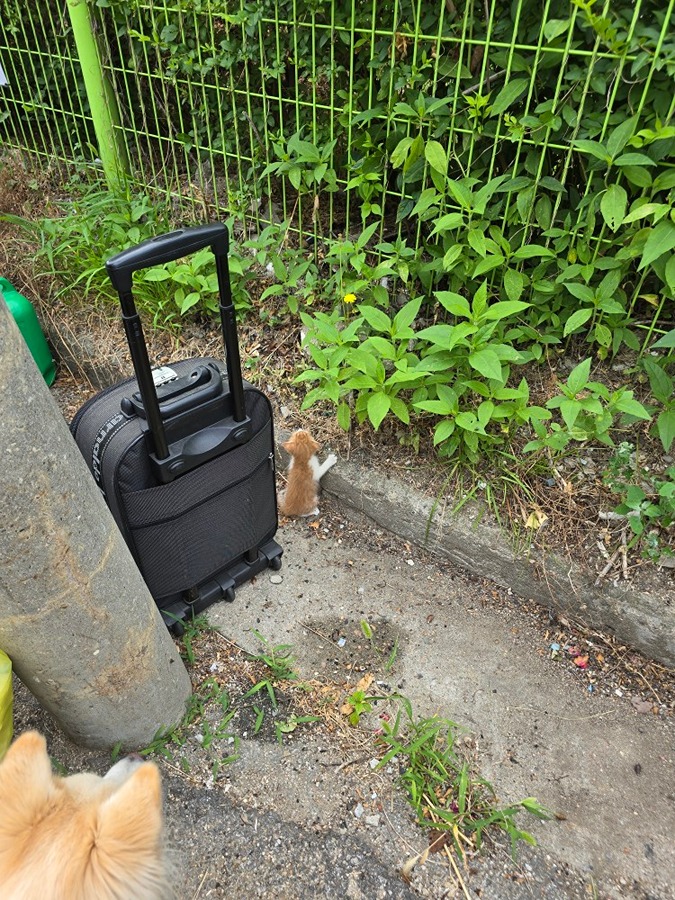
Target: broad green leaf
x=530, y=251
x=524, y=202
x=344, y=416
x=469, y=422
x=476, y=239
x=514, y=282
x=665, y=425
x=400, y=152
x=660, y=381
x=576, y=320
x=377, y=319
x=569, y=410
x=594, y=148
x=427, y=198
x=485, y=194
x=658, y=210
x=578, y=377
x=437, y=334
x=406, y=315
x=378, y=407
x=448, y=396
x=400, y=410
x=461, y=194
x=620, y=136
x=602, y=335
x=627, y=404
x=505, y=308
x=191, y=299
x=448, y=222
x=581, y=291
x=508, y=95
x=669, y=273
x=436, y=156
x=454, y=303
x=488, y=264
x=486, y=362
x=295, y=177
x=634, y=159
x=660, y=241
x=156, y=274
x=554, y=28
x=384, y=348
x=665, y=342
x=613, y=205
x=416, y=150
x=443, y=431
x=637, y=175
x=452, y=257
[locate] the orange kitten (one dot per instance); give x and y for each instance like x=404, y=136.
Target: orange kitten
x=301, y=497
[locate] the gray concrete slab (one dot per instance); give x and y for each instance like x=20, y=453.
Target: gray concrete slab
x=539, y=732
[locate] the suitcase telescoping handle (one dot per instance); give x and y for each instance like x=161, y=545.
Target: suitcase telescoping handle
x=154, y=252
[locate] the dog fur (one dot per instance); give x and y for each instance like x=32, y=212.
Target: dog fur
x=301, y=497
x=82, y=837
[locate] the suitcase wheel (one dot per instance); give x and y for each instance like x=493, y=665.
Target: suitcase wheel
x=229, y=595
x=177, y=629
x=275, y=563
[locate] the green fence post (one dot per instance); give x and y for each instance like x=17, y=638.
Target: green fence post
x=104, y=110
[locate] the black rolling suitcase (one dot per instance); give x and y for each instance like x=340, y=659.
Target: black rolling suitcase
x=184, y=454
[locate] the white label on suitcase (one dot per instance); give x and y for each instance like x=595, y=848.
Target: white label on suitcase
x=162, y=375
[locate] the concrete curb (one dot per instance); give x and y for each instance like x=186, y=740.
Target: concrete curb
x=644, y=620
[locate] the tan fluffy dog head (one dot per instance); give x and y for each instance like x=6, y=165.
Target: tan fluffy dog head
x=80, y=837
x=301, y=445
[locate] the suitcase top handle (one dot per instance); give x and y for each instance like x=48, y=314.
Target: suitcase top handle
x=165, y=248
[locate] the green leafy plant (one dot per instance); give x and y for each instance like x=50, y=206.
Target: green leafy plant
x=648, y=502
x=443, y=787
x=279, y=660
x=663, y=388
x=588, y=411
x=360, y=704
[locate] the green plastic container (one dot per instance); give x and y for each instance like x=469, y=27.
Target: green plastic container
x=25, y=318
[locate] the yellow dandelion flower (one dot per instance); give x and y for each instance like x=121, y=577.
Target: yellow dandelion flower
x=349, y=298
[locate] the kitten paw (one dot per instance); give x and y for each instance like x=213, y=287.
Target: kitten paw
x=331, y=459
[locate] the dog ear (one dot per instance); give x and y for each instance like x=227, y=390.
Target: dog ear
x=25, y=781
x=27, y=760
x=132, y=816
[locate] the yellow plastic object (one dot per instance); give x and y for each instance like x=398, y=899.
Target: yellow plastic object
x=5, y=702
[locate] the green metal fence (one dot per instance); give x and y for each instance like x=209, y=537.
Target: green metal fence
x=332, y=117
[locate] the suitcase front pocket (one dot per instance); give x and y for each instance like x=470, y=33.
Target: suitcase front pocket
x=187, y=531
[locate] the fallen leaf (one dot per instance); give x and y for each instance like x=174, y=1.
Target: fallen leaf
x=536, y=519
x=581, y=661
x=365, y=683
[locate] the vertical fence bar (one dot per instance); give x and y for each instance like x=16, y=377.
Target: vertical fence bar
x=104, y=110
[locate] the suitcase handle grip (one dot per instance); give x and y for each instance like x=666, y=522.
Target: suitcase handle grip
x=153, y=252
x=165, y=248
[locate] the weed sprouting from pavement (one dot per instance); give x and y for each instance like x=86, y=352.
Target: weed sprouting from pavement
x=448, y=795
